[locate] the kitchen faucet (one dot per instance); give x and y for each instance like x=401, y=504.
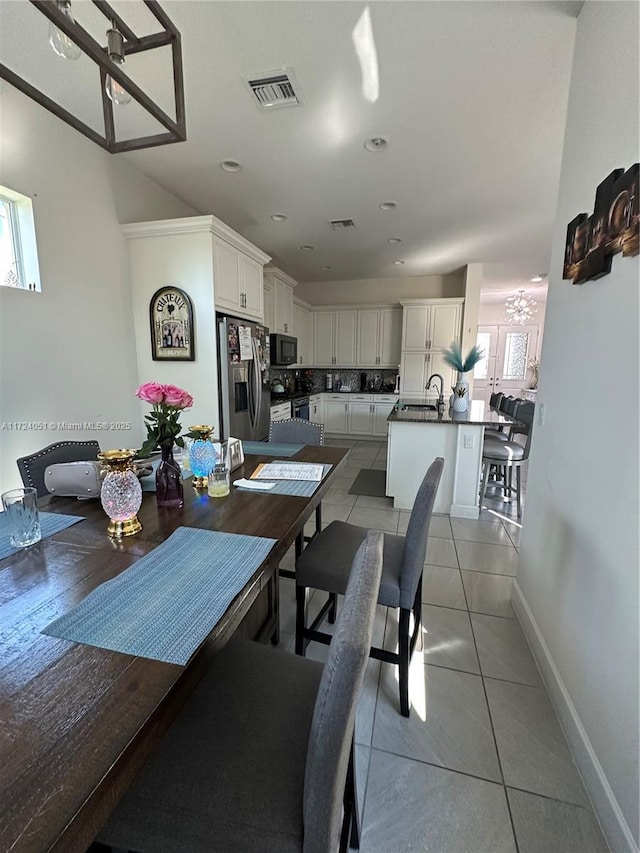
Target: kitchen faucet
x=441, y=394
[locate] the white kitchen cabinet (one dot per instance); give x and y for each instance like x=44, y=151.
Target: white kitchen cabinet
x=316, y=408
x=303, y=331
x=334, y=338
x=360, y=414
x=378, y=337
x=417, y=367
x=382, y=408
x=282, y=284
x=280, y=412
x=238, y=278
x=268, y=305
x=336, y=414
x=431, y=324
x=390, y=337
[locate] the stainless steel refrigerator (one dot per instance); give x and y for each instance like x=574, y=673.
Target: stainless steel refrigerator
x=243, y=356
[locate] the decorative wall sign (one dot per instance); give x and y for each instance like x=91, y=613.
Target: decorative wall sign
x=171, y=317
x=612, y=227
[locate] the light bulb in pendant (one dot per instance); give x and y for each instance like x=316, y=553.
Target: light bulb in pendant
x=115, y=48
x=59, y=41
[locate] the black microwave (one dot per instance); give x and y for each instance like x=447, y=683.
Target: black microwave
x=284, y=349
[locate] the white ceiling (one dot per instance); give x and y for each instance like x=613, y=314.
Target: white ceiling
x=472, y=98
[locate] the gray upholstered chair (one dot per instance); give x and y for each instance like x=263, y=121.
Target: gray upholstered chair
x=297, y=431
x=261, y=759
x=32, y=467
x=325, y=564
x=509, y=455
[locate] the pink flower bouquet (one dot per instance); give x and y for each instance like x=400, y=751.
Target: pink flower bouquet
x=163, y=427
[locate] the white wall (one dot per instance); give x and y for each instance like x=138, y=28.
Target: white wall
x=371, y=290
x=577, y=587
x=68, y=354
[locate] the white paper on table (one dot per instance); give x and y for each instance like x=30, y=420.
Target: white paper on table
x=246, y=350
x=289, y=471
x=253, y=484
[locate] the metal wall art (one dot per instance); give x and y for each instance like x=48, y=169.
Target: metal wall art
x=612, y=227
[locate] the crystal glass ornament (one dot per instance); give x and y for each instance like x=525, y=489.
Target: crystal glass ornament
x=202, y=455
x=121, y=493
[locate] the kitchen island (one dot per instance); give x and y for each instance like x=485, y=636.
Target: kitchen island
x=418, y=433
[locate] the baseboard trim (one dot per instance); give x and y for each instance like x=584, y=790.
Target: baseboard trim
x=614, y=825
x=464, y=511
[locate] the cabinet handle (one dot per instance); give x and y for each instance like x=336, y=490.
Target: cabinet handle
x=346, y=407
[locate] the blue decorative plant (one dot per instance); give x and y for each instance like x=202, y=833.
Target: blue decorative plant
x=453, y=357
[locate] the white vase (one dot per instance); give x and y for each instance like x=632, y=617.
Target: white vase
x=462, y=382
x=460, y=404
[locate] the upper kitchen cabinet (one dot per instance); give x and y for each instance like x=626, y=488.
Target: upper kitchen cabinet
x=378, y=337
x=431, y=324
x=303, y=331
x=238, y=273
x=281, y=286
x=335, y=338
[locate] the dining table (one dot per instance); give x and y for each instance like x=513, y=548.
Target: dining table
x=78, y=722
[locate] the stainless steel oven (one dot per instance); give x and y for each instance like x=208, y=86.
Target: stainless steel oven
x=301, y=408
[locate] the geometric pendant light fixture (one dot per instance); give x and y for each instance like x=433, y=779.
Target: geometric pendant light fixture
x=520, y=309
x=70, y=40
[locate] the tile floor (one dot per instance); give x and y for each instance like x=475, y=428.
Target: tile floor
x=481, y=766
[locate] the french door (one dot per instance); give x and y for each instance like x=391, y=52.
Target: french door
x=507, y=350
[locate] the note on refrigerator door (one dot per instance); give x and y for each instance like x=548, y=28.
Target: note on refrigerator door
x=246, y=350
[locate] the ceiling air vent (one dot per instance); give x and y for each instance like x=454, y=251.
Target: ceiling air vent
x=275, y=89
x=341, y=224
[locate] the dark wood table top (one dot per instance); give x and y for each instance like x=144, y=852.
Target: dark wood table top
x=76, y=722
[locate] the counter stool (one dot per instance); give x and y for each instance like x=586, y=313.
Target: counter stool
x=325, y=564
x=508, y=455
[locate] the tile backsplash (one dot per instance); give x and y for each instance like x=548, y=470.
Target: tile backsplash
x=315, y=380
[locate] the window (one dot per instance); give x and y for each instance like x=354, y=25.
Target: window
x=18, y=252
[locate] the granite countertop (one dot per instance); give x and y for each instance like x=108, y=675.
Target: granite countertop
x=285, y=398
x=479, y=413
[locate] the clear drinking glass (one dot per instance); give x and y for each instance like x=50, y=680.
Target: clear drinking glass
x=21, y=509
x=218, y=485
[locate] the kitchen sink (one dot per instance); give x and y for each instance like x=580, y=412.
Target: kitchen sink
x=418, y=407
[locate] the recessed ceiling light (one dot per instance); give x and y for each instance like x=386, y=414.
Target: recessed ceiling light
x=394, y=240
x=376, y=143
x=388, y=205
x=307, y=248
x=326, y=268
x=398, y=262
x=278, y=217
x=230, y=166
x=538, y=277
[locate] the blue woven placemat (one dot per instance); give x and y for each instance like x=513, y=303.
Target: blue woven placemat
x=50, y=523
x=299, y=488
x=164, y=605
x=271, y=448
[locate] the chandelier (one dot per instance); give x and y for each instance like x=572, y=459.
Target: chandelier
x=520, y=309
x=69, y=40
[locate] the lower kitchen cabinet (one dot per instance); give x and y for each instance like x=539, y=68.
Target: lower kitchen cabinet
x=316, y=409
x=361, y=414
x=336, y=415
x=281, y=412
